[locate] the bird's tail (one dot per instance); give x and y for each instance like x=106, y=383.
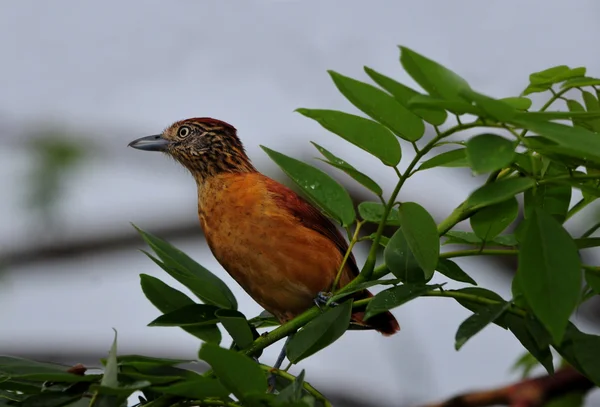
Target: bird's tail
x=384, y=323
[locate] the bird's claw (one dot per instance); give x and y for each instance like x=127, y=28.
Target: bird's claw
x=322, y=299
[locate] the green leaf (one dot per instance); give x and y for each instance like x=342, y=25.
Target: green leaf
x=489, y=152
x=396, y=296
x=330, y=196
x=433, y=77
x=363, y=286
x=555, y=74
x=576, y=107
x=580, y=82
x=420, y=231
x=492, y=220
x=592, y=106
x=552, y=115
x=452, y=158
x=492, y=108
x=381, y=107
x=497, y=192
x=520, y=103
x=401, y=261
x=319, y=333
x=193, y=314
x=593, y=280
x=587, y=351
x=576, y=141
x=455, y=106
x=363, y=133
x=198, y=388
x=112, y=368
x=238, y=327
x=140, y=360
x=553, y=199
x=350, y=170
x=204, y=284
x=403, y=94
x=519, y=327
x=168, y=299
x=451, y=270
x=373, y=212
x=476, y=322
x=549, y=268
x=239, y=374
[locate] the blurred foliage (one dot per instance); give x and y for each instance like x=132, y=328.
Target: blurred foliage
x=55, y=156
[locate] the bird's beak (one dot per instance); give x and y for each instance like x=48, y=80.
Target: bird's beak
x=150, y=143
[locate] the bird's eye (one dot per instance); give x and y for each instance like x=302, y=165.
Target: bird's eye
x=184, y=131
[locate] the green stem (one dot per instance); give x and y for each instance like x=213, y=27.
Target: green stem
x=459, y=214
x=593, y=269
x=474, y=298
x=367, y=270
x=348, y=253
x=591, y=230
x=476, y=252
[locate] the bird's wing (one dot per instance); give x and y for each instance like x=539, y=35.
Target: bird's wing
x=311, y=218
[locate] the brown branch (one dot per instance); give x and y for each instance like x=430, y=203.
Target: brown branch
x=527, y=393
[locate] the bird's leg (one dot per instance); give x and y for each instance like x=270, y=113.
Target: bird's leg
x=322, y=298
x=271, y=380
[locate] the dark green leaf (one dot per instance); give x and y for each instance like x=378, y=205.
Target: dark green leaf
x=122, y=390
x=519, y=103
x=451, y=270
x=573, y=140
x=381, y=107
x=238, y=373
x=401, y=260
x=319, y=333
x=497, y=192
x=168, y=299
x=580, y=82
x=420, y=231
x=573, y=399
x=293, y=392
x=475, y=306
x=138, y=360
x=193, y=314
x=15, y=366
x=433, y=77
x=460, y=237
x=364, y=133
x=452, y=158
x=199, y=388
x=518, y=326
x=587, y=351
x=373, y=212
x=363, y=286
x=320, y=187
x=492, y=220
x=476, y=322
x=587, y=242
x=593, y=280
x=238, y=327
x=553, y=199
x=50, y=399
x=552, y=115
x=396, y=296
x=350, y=170
x=455, y=106
x=489, y=152
x=403, y=94
x=204, y=284
x=549, y=268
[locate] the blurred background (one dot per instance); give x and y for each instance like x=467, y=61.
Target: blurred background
x=79, y=80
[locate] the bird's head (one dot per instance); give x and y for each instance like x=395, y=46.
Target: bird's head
x=203, y=145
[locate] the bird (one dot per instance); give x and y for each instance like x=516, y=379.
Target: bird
x=274, y=243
